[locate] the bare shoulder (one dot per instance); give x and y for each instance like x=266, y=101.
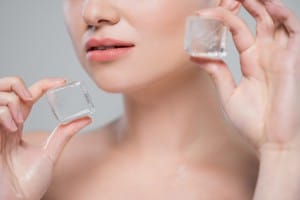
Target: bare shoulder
x=88, y=147
x=81, y=155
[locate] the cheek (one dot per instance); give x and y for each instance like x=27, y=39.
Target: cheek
x=161, y=23
x=161, y=31
x=159, y=19
x=74, y=21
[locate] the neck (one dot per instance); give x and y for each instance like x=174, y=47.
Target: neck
x=175, y=116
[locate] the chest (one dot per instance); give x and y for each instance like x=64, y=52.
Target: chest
x=136, y=185
x=147, y=191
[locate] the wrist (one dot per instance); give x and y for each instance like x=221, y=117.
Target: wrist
x=280, y=160
x=279, y=176
x=281, y=152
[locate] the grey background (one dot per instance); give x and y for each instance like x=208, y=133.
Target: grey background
x=35, y=44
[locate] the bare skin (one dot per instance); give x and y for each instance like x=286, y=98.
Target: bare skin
x=176, y=164
x=173, y=141
x=104, y=169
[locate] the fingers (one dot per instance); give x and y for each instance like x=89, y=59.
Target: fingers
x=17, y=85
x=284, y=16
x=241, y=34
x=265, y=23
x=221, y=76
x=271, y=16
x=12, y=101
x=256, y=9
x=6, y=120
x=16, y=100
x=15, y=104
x=62, y=135
x=39, y=88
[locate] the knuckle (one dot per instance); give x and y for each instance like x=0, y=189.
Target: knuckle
x=16, y=80
x=220, y=12
x=269, y=23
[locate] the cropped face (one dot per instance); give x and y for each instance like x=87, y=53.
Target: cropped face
x=125, y=45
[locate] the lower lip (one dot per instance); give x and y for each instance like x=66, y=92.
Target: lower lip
x=107, y=55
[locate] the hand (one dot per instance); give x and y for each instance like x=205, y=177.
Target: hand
x=264, y=106
x=26, y=170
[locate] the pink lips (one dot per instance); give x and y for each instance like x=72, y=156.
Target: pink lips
x=106, y=49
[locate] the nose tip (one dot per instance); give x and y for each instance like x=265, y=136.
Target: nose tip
x=97, y=13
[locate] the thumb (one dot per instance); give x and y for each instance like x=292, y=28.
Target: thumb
x=221, y=75
x=62, y=135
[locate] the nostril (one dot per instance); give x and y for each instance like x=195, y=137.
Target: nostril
x=100, y=21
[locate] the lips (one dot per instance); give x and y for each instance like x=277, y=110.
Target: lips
x=106, y=44
x=106, y=49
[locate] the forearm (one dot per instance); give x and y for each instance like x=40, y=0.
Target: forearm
x=279, y=176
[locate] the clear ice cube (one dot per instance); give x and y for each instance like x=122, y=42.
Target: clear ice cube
x=70, y=102
x=205, y=38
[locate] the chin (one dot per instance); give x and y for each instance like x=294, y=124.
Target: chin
x=134, y=84
x=114, y=84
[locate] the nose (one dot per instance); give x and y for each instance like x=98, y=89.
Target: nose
x=96, y=13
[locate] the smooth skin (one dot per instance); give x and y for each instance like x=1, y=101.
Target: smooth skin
x=173, y=141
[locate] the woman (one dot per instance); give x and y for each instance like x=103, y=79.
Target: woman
x=173, y=141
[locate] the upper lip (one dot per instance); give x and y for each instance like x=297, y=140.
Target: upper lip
x=105, y=42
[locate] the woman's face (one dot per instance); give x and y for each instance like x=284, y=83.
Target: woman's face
x=154, y=27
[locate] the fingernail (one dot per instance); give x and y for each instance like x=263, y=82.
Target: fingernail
x=58, y=80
